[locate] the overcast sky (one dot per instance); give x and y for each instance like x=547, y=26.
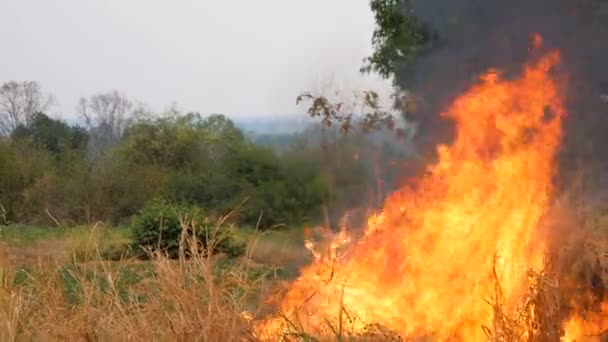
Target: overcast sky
x=238, y=57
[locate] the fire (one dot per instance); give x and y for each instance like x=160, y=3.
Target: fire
x=587, y=325
x=588, y=328
x=430, y=260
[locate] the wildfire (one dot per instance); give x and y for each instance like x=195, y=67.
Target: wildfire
x=588, y=328
x=430, y=260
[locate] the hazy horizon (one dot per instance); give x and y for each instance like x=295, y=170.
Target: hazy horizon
x=240, y=58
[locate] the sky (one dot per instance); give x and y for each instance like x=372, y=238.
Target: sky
x=240, y=57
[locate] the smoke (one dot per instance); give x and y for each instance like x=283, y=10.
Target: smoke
x=474, y=35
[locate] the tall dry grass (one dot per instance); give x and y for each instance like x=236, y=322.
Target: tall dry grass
x=196, y=298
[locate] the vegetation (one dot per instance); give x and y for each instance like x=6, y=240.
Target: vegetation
x=52, y=172
x=161, y=227
x=57, y=283
x=398, y=39
x=198, y=298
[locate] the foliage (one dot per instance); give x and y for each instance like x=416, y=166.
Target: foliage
x=372, y=117
x=399, y=37
x=9, y=182
x=162, y=227
x=209, y=163
x=50, y=134
x=48, y=177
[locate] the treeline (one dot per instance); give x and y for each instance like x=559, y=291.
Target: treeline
x=124, y=157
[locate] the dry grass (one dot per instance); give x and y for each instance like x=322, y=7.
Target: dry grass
x=25, y=245
x=185, y=300
x=206, y=298
x=284, y=249
x=199, y=298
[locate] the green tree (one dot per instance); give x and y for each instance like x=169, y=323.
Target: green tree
x=172, y=142
x=191, y=160
x=28, y=172
x=10, y=185
x=399, y=37
x=51, y=134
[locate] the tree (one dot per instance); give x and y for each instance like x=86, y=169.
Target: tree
x=53, y=135
x=223, y=138
x=173, y=142
x=9, y=181
x=19, y=102
x=398, y=38
x=220, y=125
x=107, y=116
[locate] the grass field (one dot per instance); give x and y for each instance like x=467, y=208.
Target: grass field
x=72, y=284
x=23, y=245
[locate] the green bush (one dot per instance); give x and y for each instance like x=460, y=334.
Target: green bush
x=160, y=226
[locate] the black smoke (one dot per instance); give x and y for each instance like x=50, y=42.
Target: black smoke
x=475, y=35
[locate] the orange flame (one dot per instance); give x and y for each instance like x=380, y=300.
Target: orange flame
x=587, y=328
x=430, y=258
x=587, y=325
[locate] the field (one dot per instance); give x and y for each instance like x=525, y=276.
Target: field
x=73, y=284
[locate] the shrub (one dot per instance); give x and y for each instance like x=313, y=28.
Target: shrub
x=160, y=226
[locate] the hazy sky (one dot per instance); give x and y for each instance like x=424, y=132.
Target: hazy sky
x=237, y=57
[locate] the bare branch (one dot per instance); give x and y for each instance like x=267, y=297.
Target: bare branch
x=371, y=117
x=107, y=116
x=111, y=111
x=19, y=102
